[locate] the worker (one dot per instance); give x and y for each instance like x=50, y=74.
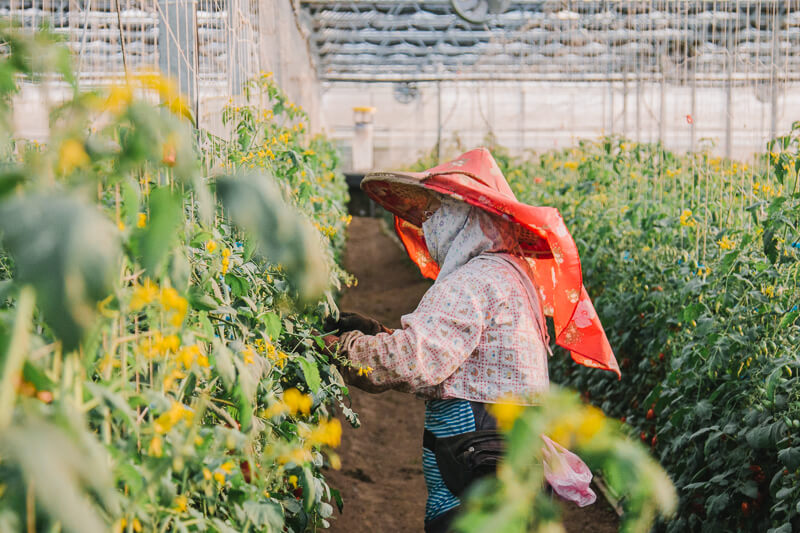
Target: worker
x=479, y=333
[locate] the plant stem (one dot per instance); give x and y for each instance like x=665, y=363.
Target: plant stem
x=15, y=356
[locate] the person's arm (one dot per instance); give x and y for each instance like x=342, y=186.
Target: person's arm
x=434, y=341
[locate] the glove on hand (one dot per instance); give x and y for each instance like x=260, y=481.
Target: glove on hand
x=356, y=322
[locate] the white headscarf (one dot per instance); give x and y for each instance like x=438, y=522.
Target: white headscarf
x=458, y=232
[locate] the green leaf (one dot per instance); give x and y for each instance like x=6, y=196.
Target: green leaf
x=309, y=488
x=61, y=470
x=790, y=457
x=311, y=374
x=201, y=300
x=692, y=312
x=199, y=239
x=759, y=437
x=9, y=179
x=245, y=408
x=789, y=318
x=749, y=489
x=264, y=514
x=239, y=286
x=770, y=243
x=772, y=382
x=158, y=237
x=38, y=378
x=130, y=203
x=255, y=204
x=223, y=363
x=273, y=323
x=128, y=474
x=337, y=497
x=69, y=252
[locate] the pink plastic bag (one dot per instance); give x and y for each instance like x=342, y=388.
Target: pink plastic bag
x=567, y=474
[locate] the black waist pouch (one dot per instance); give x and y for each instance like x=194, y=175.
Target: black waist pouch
x=466, y=457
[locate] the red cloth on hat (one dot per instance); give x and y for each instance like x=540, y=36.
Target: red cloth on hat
x=475, y=178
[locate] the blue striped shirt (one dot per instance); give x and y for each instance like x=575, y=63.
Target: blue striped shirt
x=443, y=418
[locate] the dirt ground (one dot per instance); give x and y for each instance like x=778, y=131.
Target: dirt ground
x=381, y=477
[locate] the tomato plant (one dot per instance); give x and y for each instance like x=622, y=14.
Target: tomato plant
x=160, y=364
x=692, y=262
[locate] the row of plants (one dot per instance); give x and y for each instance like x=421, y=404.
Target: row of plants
x=160, y=364
x=161, y=367
x=692, y=262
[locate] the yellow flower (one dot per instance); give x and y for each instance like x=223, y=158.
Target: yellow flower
x=364, y=371
x=180, y=504
x=156, y=448
x=226, y=252
x=505, y=412
x=275, y=409
x=297, y=402
x=108, y=362
x=121, y=225
x=686, y=218
x=174, y=303
x=768, y=291
x=571, y=165
x=227, y=467
x=172, y=377
x=121, y=526
x=168, y=91
x=71, y=155
x=725, y=243
x=219, y=477
x=188, y=355
x=249, y=355
x=119, y=98
x=172, y=416
x=293, y=481
x=143, y=295
x=141, y=220
x=297, y=456
x=579, y=428
x=206, y=474
x=328, y=432
x=170, y=343
x=336, y=461
x=211, y=246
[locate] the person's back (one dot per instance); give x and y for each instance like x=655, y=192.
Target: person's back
x=509, y=359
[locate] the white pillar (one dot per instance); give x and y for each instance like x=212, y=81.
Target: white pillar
x=363, y=138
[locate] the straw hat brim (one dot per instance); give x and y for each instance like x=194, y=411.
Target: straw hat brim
x=405, y=195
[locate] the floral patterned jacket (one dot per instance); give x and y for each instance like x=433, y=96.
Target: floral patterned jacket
x=473, y=336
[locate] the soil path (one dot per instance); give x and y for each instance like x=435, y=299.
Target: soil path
x=381, y=477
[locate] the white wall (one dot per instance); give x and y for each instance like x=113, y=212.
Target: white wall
x=541, y=116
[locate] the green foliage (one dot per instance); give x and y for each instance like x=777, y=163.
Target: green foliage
x=516, y=501
x=692, y=262
x=68, y=250
x=168, y=376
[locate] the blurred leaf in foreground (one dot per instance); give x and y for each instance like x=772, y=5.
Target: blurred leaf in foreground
x=515, y=500
x=59, y=471
x=255, y=204
x=68, y=251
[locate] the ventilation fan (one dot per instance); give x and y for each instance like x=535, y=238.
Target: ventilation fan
x=479, y=11
x=405, y=92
